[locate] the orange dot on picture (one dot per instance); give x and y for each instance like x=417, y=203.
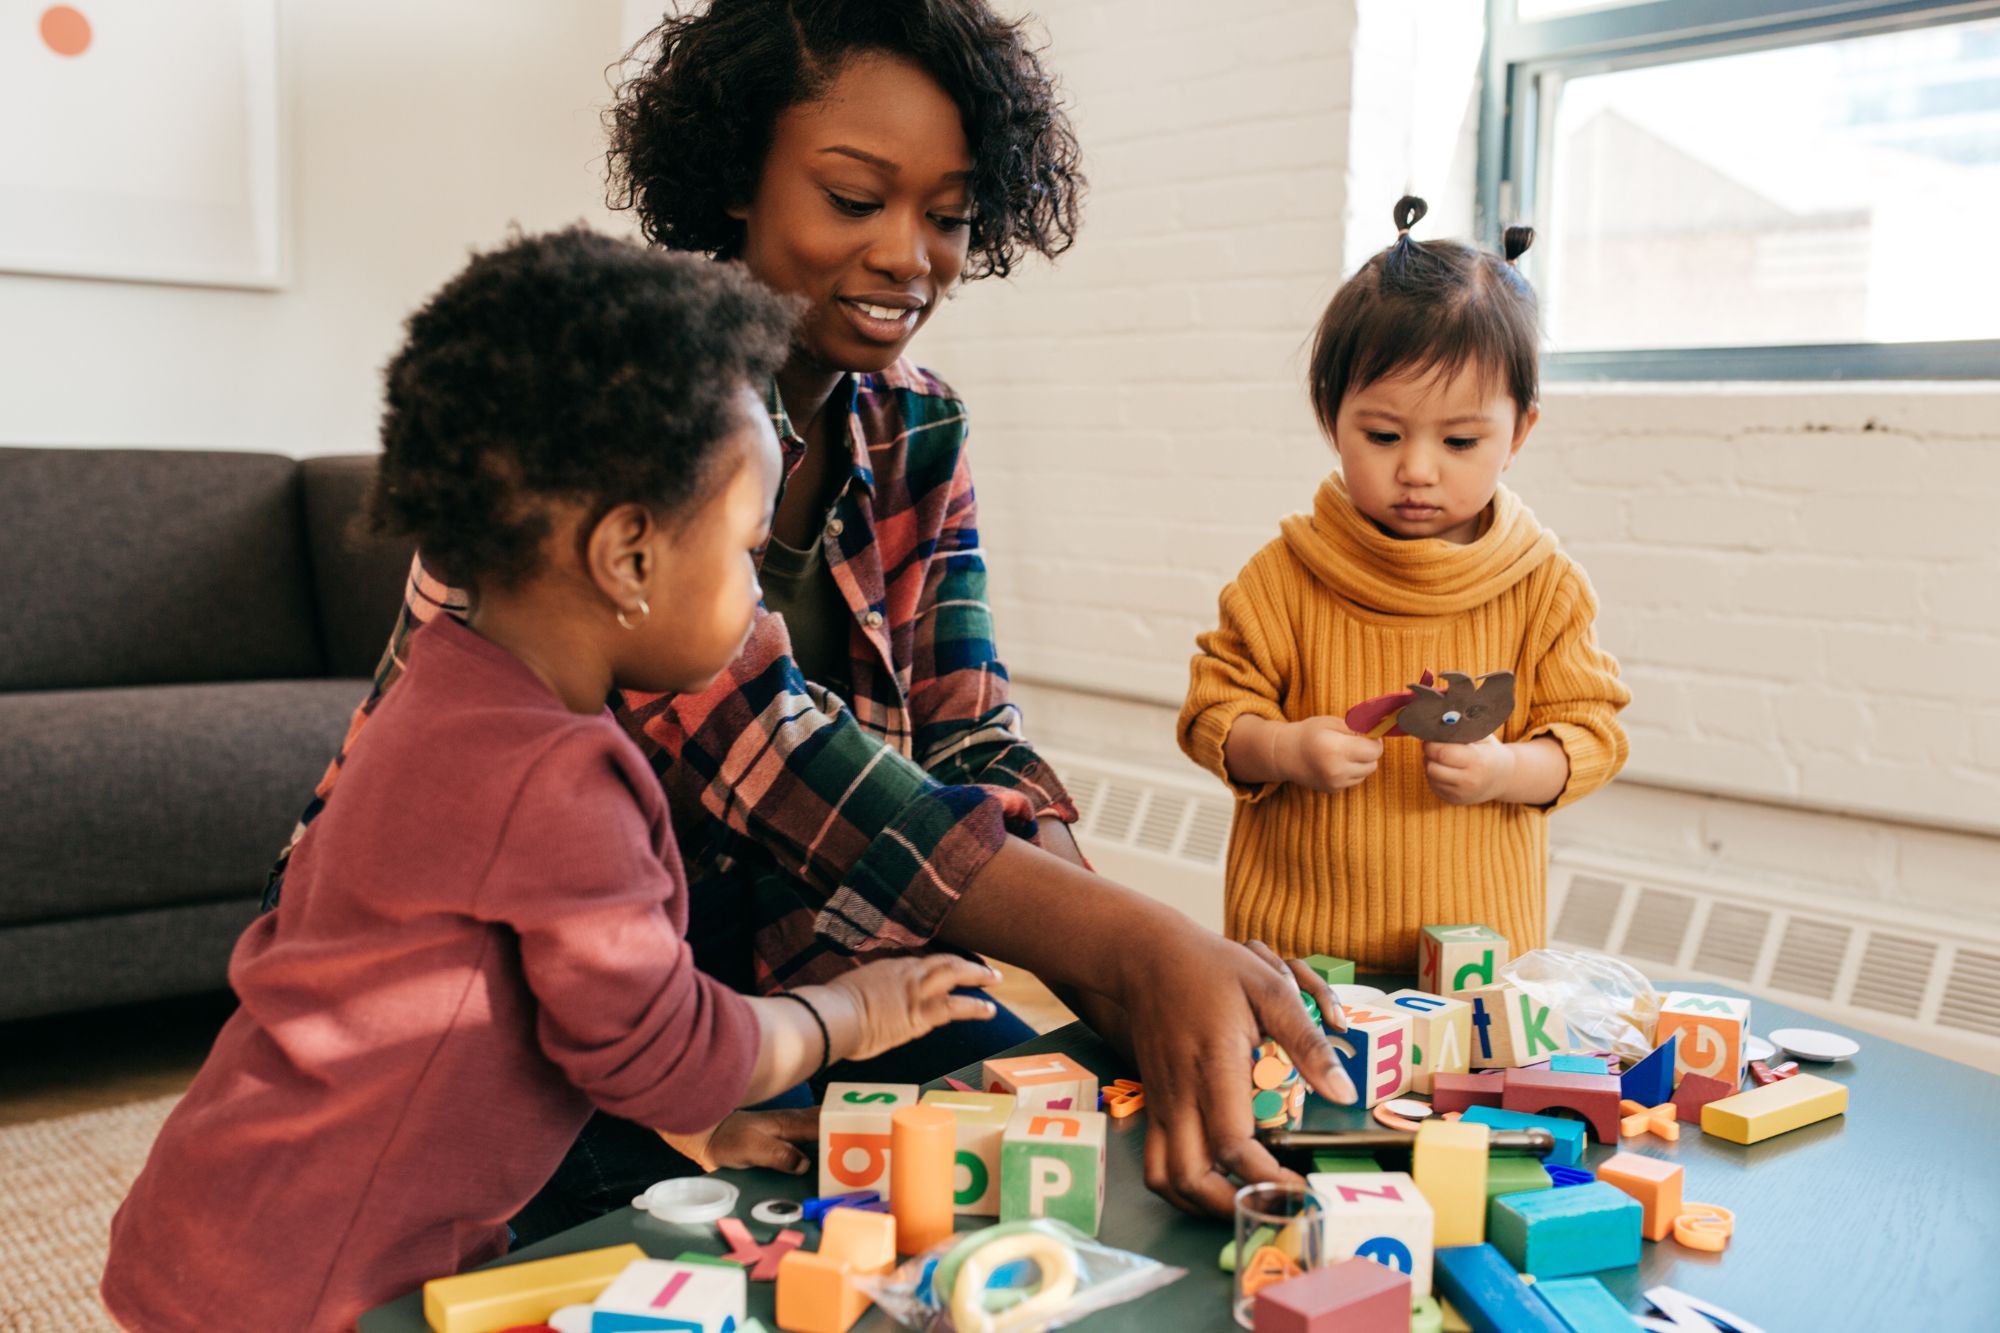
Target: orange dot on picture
x=66, y=31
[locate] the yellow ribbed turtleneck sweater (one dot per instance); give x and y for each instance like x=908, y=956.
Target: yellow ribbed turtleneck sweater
x=1334, y=612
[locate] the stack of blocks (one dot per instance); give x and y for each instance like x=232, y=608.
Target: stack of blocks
x=1052, y=1165
x=1380, y=1216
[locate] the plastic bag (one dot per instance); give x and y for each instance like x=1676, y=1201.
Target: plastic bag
x=1608, y=1005
x=1017, y=1277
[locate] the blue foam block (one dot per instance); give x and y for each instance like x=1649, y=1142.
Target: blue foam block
x=1570, y=1134
x=1488, y=1294
x=1651, y=1081
x=1561, y=1233
x=1585, y=1304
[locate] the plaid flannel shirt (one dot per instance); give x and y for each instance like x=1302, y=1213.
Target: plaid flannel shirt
x=815, y=828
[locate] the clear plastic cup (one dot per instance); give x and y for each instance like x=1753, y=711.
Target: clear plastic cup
x=1278, y=1236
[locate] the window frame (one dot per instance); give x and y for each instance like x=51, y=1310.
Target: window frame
x=1512, y=155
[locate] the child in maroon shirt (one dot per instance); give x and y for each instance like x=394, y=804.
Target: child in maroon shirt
x=481, y=939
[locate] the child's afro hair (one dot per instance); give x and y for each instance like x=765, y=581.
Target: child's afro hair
x=690, y=132
x=568, y=366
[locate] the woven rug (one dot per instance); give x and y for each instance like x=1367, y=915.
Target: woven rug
x=60, y=1181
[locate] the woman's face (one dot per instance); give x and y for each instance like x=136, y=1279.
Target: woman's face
x=862, y=210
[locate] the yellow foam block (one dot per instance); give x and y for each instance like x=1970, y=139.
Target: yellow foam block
x=529, y=1293
x=1449, y=1167
x=1776, y=1108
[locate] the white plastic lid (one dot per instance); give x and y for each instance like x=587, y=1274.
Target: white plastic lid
x=689, y=1199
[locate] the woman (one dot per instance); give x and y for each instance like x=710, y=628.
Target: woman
x=858, y=780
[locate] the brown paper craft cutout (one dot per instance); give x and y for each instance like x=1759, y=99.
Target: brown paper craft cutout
x=1461, y=712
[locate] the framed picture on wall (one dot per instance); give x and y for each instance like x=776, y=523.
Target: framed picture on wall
x=142, y=141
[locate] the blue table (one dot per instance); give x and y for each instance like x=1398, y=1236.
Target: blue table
x=1885, y=1218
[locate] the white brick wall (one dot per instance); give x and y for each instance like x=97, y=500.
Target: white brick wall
x=1800, y=580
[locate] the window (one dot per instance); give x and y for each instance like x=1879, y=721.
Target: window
x=1752, y=189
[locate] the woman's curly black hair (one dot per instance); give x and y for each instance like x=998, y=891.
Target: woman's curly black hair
x=690, y=133
x=568, y=366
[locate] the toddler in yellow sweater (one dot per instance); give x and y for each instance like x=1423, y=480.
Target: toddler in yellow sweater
x=1424, y=374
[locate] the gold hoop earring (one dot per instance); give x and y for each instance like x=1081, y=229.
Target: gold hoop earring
x=644, y=611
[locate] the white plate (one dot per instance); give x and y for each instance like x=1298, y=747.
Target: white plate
x=1812, y=1044
x=1756, y=1048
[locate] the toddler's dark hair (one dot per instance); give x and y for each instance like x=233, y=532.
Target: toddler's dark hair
x=690, y=133
x=571, y=366
x=1421, y=305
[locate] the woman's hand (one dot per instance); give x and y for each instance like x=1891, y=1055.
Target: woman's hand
x=900, y=999
x=754, y=1138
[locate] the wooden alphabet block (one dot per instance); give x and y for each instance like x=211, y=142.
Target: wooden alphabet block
x=1448, y=1164
x=1351, y=1297
x=854, y=1135
x=1440, y=1038
x=1570, y=1135
x=1560, y=1233
x=1489, y=1295
x=523, y=1293
x=1383, y=1217
x=1711, y=1030
x=1654, y=1183
x=1592, y=1096
x=1052, y=1165
x=1586, y=1305
x=1454, y=959
x=1455, y=1092
x=1651, y=1081
x=1697, y=1091
x=1775, y=1108
x=1042, y=1082
x=1375, y=1052
x=1511, y=1028
x=699, y=1298
x=817, y=1294
x=982, y=1123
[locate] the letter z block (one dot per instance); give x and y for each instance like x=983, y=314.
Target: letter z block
x=854, y=1135
x=1383, y=1217
x=1441, y=1035
x=1375, y=1052
x=1561, y=1233
x=1353, y=1297
x=982, y=1123
x=1710, y=1028
x=1454, y=959
x=1052, y=1165
x=697, y=1298
x=1042, y=1082
x=1511, y=1028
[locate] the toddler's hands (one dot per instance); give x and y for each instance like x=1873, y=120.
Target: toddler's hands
x=1468, y=774
x=754, y=1138
x=900, y=999
x=1321, y=753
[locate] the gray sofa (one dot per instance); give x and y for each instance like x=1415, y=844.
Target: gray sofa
x=183, y=636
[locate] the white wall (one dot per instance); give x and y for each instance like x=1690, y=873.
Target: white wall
x=1796, y=578
x=415, y=133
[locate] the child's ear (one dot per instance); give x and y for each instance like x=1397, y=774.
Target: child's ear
x=621, y=554
x=1522, y=425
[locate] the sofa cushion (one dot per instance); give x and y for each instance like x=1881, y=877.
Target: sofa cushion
x=121, y=799
x=357, y=576
x=91, y=961
x=145, y=566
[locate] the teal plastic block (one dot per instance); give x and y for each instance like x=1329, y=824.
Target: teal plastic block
x=1585, y=1305
x=1561, y=1233
x=1570, y=1134
x=1579, y=1064
x=1488, y=1294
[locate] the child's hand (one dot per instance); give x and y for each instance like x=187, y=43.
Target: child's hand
x=1321, y=753
x=900, y=999
x=754, y=1138
x=1469, y=774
